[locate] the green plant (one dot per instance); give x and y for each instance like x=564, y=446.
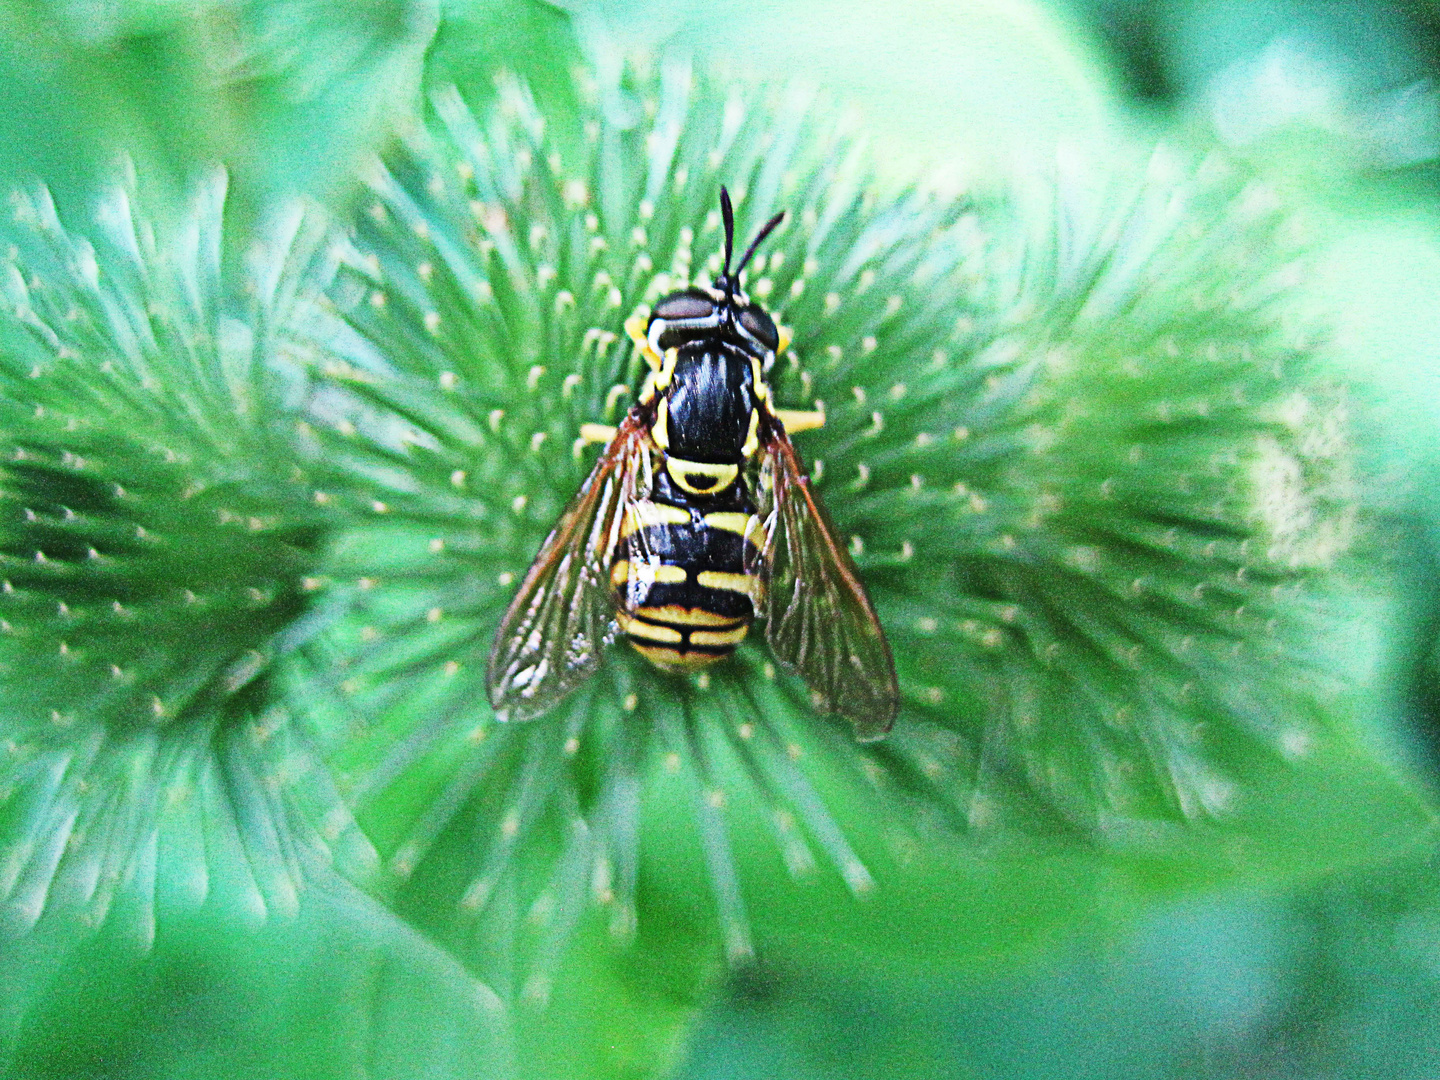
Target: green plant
x=1085, y=436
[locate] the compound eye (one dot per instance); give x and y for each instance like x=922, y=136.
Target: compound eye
x=757, y=321
x=691, y=304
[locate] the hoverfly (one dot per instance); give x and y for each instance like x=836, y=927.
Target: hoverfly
x=696, y=521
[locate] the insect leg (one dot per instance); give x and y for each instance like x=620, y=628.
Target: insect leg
x=800, y=420
x=593, y=433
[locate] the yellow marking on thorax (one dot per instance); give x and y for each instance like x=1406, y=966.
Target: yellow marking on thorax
x=620, y=572
x=757, y=379
x=719, y=637
x=752, y=439
x=667, y=369
x=659, y=375
x=786, y=335
x=643, y=514
x=660, y=432
x=680, y=470
x=746, y=525
x=723, y=579
x=674, y=613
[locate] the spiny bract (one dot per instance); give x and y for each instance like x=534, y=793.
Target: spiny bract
x=1077, y=443
x=156, y=550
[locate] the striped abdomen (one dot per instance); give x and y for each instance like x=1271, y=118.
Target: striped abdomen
x=682, y=594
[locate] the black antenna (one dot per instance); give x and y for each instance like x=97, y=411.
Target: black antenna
x=769, y=226
x=728, y=213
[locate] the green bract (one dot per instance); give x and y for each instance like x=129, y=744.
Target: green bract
x=158, y=542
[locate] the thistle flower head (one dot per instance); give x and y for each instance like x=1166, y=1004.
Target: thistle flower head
x=156, y=542
x=1078, y=450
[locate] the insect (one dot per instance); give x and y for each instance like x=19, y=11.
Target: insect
x=697, y=521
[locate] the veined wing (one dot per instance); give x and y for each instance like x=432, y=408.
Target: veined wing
x=563, y=615
x=818, y=619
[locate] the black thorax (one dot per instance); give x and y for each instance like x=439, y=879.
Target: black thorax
x=710, y=398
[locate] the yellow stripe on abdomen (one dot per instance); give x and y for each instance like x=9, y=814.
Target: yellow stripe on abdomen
x=746, y=525
x=723, y=579
x=648, y=630
x=720, y=637
x=646, y=573
x=671, y=660
x=644, y=514
x=686, y=473
x=683, y=616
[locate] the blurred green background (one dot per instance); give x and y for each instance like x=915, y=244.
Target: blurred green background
x=1323, y=968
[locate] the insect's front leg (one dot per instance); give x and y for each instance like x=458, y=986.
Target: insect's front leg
x=799, y=419
x=604, y=434
x=596, y=433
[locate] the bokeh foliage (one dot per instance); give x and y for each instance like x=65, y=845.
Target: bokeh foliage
x=271, y=477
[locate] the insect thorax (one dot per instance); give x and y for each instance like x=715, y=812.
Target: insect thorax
x=709, y=401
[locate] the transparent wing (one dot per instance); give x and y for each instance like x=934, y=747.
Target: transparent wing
x=818, y=619
x=563, y=616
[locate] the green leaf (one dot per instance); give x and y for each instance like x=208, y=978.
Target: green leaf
x=288, y=96
x=340, y=990
x=1334, y=978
